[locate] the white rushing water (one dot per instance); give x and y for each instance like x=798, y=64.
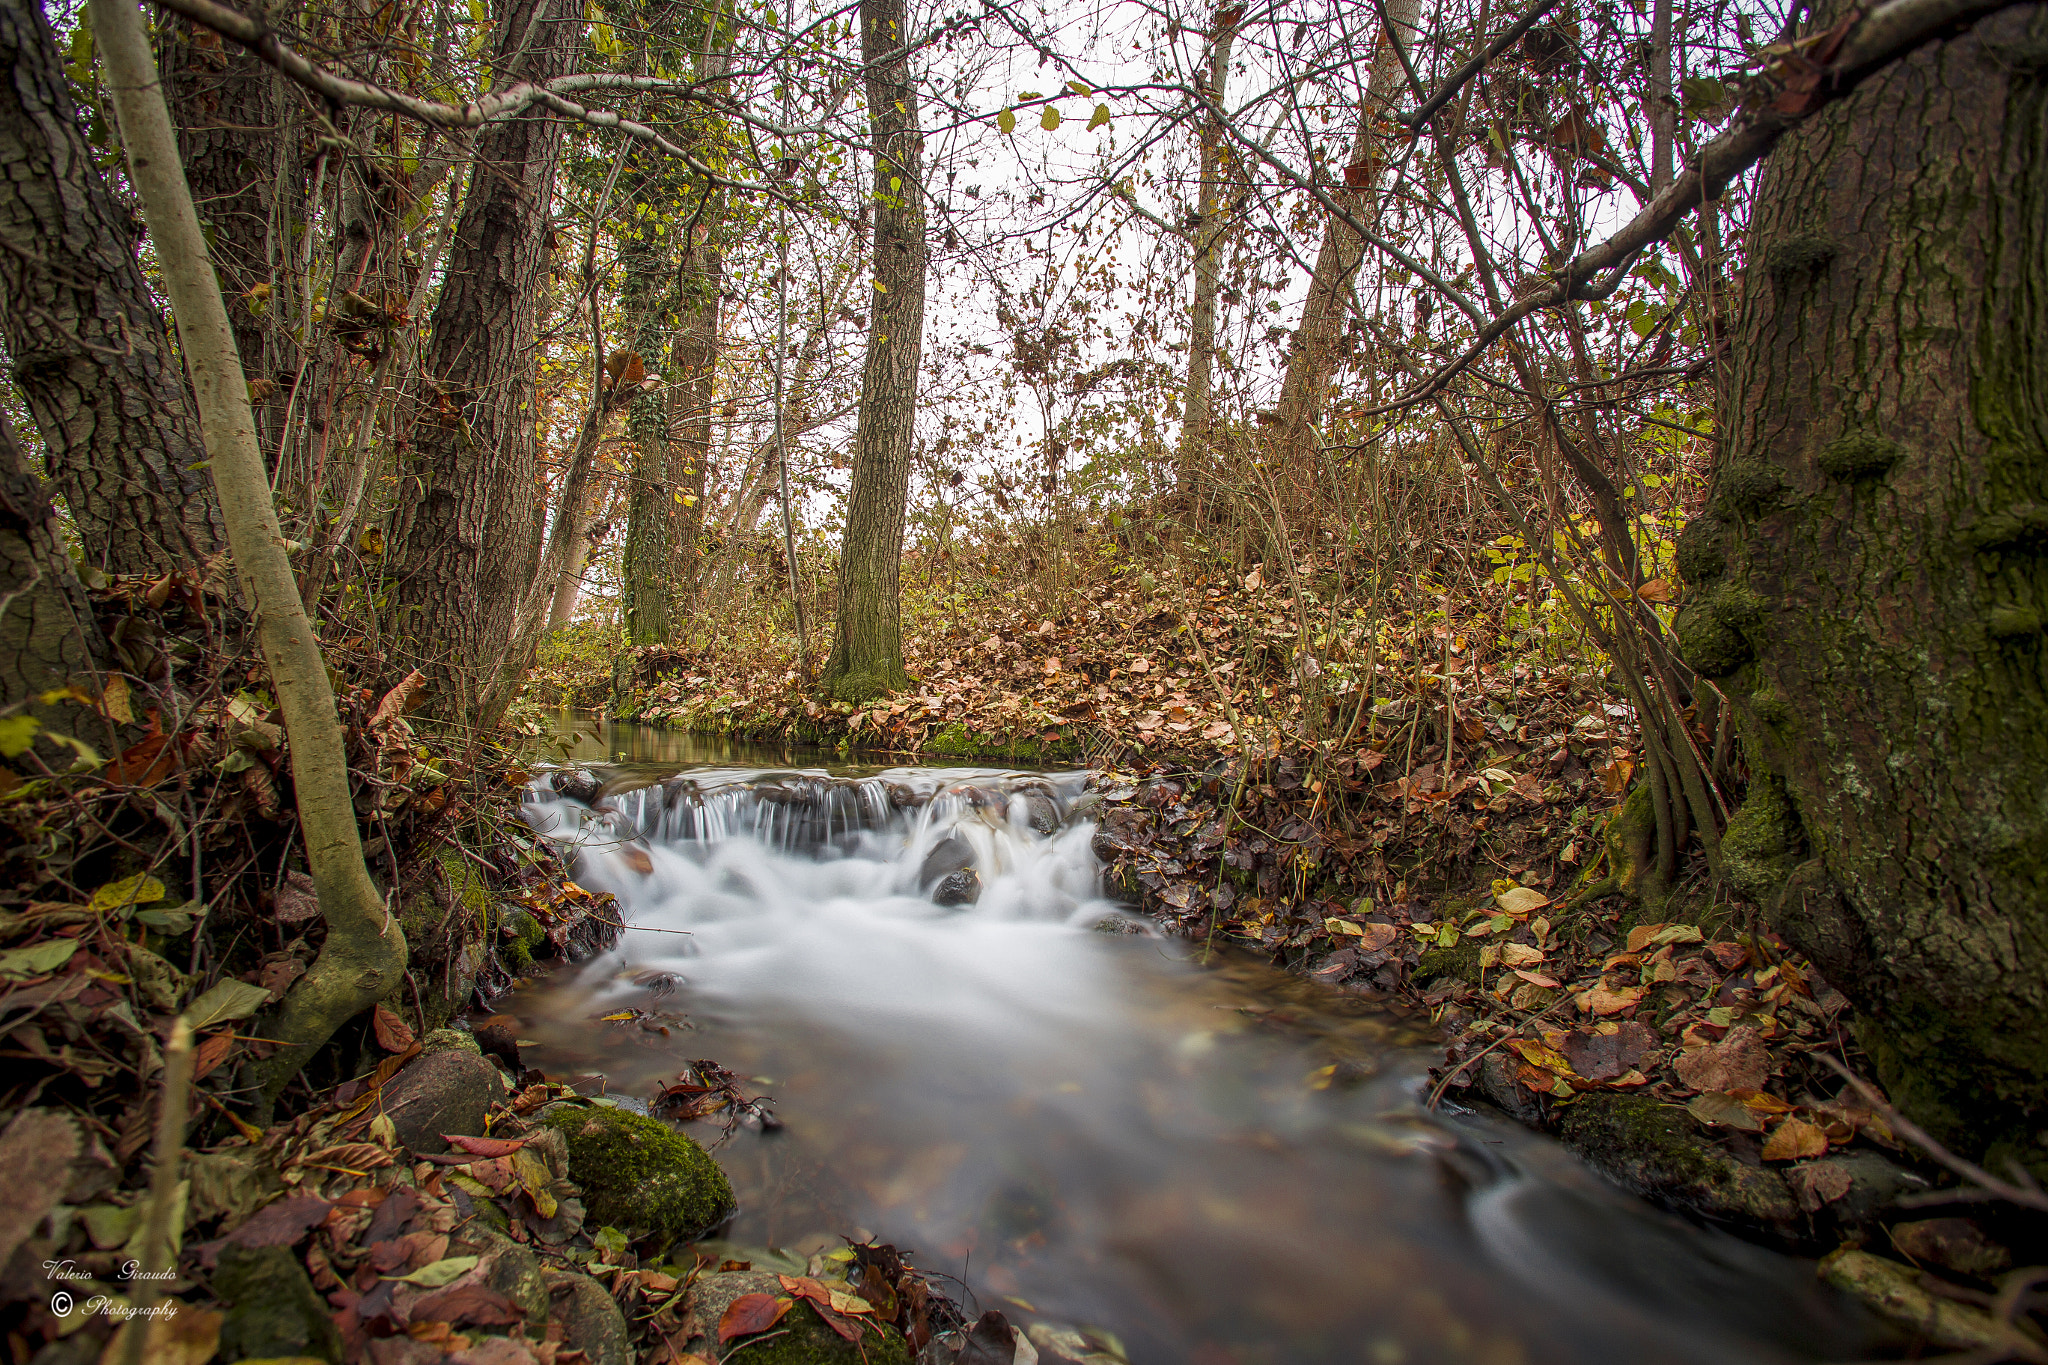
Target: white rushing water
x=1218, y=1164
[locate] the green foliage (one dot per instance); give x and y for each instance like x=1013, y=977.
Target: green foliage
x=638, y=1172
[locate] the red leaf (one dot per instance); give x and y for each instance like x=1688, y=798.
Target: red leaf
x=484, y=1146
x=212, y=1053
x=751, y=1313
x=392, y=1033
x=475, y=1304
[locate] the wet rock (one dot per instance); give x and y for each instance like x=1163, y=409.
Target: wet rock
x=950, y=854
x=958, y=888
x=902, y=797
x=272, y=1310
x=1876, y=1184
x=1956, y=1244
x=574, y=784
x=1658, y=1151
x=638, y=1172
x=449, y=1040
x=1084, y=808
x=1117, y=924
x=507, y=1267
x=1061, y=1344
x=590, y=1318
x=804, y=1339
x=1498, y=1083
x=1041, y=813
x=442, y=1092
x=1898, y=1295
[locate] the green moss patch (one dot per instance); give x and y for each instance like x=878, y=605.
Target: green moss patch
x=638, y=1172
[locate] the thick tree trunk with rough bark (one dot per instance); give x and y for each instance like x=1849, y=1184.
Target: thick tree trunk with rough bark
x=1191, y=456
x=867, y=639
x=694, y=393
x=465, y=535
x=239, y=142
x=47, y=636
x=1870, y=581
x=92, y=358
x=1312, y=355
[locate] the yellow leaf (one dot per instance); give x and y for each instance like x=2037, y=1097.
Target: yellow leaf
x=1079, y=88
x=1050, y=119
x=1007, y=120
x=1520, y=954
x=114, y=701
x=140, y=889
x=1520, y=900
x=1601, y=1000
x=1793, y=1139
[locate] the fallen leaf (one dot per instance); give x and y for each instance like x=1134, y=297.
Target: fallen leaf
x=126, y=894
x=36, y=1151
x=751, y=1313
x=1739, y=1061
x=296, y=900
x=1520, y=954
x=1604, y=1000
x=281, y=1224
x=484, y=1146
x=1521, y=900
x=439, y=1273
x=226, y=1002
x=211, y=1054
x=1725, y=1110
x=1794, y=1139
x=1537, y=979
x=393, y=1034
x=1817, y=1185
x=1644, y=937
x=1605, y=1057
x=476, y=1305
x=190, y=1335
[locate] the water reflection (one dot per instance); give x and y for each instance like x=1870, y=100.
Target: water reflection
x=1220, y=1164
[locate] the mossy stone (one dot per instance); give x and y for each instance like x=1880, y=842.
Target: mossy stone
x=1859, y=455
x=1657, y=1151
x=1460, y=961
x=272, y=1310
x=636, y=1171
x=803, y=1338
x=1761, y=845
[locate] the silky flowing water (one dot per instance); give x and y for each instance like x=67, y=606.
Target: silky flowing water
x=1215, y=1163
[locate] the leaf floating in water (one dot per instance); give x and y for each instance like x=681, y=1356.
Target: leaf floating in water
x=661, y=984
x=637, y=859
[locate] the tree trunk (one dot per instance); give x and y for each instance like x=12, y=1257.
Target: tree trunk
x=362, y=959
x=867, y=636
x=1192, y=457
x=694, y=394
x=1312, y=354
x=239, y=143
x=649, y=557
x=120, y=439
x=465, y=535
x=1869, y=580
x=47, y=636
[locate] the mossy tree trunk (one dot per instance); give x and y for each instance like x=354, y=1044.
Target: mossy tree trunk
x=867, y=640
x=1870, y=581
x=1197, y=405
x=650, y=505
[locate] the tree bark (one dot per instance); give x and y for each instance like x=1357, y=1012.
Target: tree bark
x=47, y=636
x=120, y=439
x=694, y=394
x=1311, y=356
x=867, y=635
x=363, y=956
x=1192, y=455
x=649, y=553
x=465, y=537
x=1869, y=581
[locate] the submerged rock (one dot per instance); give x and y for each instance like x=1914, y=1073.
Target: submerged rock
x=804, y=1338
x=574, y=784
x=958, y=888
x=1897, y=1294
x=636, y=1171
x=950, y=854
x=273, y=1310
x=1041, y=813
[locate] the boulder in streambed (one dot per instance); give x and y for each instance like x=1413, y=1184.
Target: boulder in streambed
x=800, y=1335
x=590, y=1318
x=272, y=1308
x=1658, y=1151
x=950, y=854
x=638, y=1172
x=958, y=888
x=446, y=1090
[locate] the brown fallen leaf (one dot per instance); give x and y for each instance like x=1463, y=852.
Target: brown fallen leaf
x=751, y=1313
x=393, y=1034
x=1602, y=1056
x=1603, y=999
x=1726, y=1111
x=1740, y=1061
x=484, y=1146
x=1794, y=1139
x=637, y=859
x=1818, y=1185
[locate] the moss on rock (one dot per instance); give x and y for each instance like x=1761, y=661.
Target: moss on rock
x=1460, y=960
x=802, y=1338
x=636, y=1171
x=1658, y=1151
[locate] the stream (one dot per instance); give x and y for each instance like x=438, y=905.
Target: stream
x=1215, y=1164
